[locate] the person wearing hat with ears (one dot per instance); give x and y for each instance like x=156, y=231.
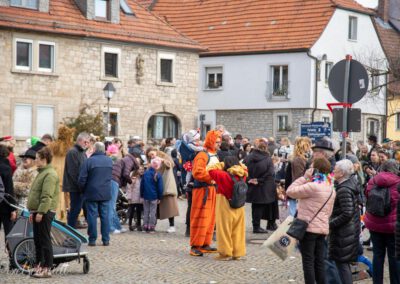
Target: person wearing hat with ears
x=324, y=148
x=24, y=176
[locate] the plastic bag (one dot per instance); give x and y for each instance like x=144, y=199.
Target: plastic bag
x=280, y=242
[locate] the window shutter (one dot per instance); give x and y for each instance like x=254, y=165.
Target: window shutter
x=23, y=121
x=45, y=120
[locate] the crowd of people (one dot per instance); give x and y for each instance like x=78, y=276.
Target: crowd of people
x=335, y=194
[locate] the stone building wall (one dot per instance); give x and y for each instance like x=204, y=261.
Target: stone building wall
x=78, y=80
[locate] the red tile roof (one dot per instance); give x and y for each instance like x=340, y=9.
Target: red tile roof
x=145, y=3
x=64, y=17
x=251, y=26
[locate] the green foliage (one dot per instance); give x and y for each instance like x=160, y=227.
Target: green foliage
x=86, y=121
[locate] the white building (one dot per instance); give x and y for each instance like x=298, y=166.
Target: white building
x=267, y=66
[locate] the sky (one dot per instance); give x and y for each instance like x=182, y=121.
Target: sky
x=368, y=3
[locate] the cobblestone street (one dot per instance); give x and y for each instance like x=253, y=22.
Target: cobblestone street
x=136, y=257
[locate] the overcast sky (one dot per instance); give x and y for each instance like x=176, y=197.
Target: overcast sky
x=368, y=3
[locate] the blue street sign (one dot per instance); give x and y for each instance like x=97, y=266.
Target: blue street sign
x=316, y=130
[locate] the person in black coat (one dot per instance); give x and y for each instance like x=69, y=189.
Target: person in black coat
x=344, y=224
x=7, y=213
x=262, y=188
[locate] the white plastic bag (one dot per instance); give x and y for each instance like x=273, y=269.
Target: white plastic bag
x=281, y=243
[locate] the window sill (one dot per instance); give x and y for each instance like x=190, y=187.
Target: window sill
x=212, y=89
x=352, y=40
x=278, y=98
x=166, y=84
x=101, y=19
x=33, y=72
x=113, y=79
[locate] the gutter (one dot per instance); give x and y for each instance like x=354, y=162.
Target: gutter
x=315, y=86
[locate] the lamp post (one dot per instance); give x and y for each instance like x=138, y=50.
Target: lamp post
x=108, y=94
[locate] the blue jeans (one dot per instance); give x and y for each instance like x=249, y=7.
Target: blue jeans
x=380, y=244
x=95, y=208
x=112, y=209
x=292, y=206
x=75, y=207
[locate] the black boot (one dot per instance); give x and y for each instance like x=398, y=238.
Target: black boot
x=187, y=233
x=259, y=230
x=271, y=226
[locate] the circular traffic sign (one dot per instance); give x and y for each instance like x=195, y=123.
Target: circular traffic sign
x=358, y=81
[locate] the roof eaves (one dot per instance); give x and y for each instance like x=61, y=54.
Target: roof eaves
x=253, y=52
x=371, y=13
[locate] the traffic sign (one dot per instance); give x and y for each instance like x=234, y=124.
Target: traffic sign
x=358, y=81
x=316, y=130
x=353, y=121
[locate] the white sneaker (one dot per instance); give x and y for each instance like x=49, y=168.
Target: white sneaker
x=116, y=232
x=171, y=230
x=124, y=230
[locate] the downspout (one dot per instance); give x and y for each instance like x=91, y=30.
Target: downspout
x=316, y=86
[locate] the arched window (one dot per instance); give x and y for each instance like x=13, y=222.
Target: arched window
x=163, y=125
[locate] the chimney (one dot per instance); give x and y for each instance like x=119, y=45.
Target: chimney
x=383, y=10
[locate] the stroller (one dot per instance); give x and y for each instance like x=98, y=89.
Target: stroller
x=122, y=207
x=68, y=243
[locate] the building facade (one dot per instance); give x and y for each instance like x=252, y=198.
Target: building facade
x=266, y=69
x=50, y=73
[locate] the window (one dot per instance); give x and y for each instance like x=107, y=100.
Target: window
x=125, y=7
x=30, y=4
x=398, y=121
x=113, y=123
x=111, y=64
x=162, y=125
x=101, y=9
x=280, y=81
x=283, y=123
x=328, y=68
x=326, y=119
x=375, y=82
x=23, y=54
x=213, y=77
x=44, y=120
x=372, y=127
x=318, y=70
x=46, y=56
x=353, y=28
x=165, y=68
x=23, y=120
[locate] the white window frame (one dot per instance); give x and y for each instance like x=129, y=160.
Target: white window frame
x=375, y=81
x=53, y=59
x=168, y=56
x=326, y=119
x=206, y=70
x=26, y=6
x=107, y=10
x=31, y=119
x=18, y=67
x=376, y=121
x=352, y=32
x=330, y=64
x=114, y=50
x=272, y=66
x=286, y=124
x=37, y=115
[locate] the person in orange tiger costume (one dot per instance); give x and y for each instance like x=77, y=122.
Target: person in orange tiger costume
x=202, y=215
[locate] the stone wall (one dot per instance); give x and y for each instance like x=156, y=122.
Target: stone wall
x=77, y=80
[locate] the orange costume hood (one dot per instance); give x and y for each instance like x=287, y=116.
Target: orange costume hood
x=211, y=138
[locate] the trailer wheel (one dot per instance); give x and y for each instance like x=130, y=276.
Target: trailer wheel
x=24, y=256
x=86, y=265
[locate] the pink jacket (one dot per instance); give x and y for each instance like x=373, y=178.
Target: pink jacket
x=311, y=197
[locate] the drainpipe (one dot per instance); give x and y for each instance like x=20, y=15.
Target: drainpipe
x=316, y=86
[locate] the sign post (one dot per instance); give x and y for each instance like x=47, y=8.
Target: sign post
x=345, y=100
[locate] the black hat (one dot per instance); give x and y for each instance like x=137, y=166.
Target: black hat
x=323, y=144
x=29, y=154
x=373, y=138
x=238, y=136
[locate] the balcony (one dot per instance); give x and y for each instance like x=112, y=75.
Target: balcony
x=278, y=91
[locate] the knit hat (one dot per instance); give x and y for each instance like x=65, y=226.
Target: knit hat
x=112, y=149
x=34, y=140
x=156, y=163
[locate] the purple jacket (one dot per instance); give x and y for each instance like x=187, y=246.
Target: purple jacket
x=122, y=169
x=383, y=224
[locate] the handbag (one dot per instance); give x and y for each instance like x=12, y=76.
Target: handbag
x=298, y=227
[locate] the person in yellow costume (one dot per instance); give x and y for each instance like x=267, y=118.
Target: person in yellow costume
x=231, y=227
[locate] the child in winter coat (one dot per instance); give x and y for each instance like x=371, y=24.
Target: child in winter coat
x=151, y=190
x=134, y=200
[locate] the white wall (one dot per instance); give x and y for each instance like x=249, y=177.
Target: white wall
x=334, y=43
x=245, y=80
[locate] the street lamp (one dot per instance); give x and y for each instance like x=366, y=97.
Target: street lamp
x=108, y=94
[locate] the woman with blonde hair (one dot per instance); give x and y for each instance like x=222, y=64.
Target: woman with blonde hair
x=297, y=166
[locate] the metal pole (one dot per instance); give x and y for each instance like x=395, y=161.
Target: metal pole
x=345, y=100
x=108, y=117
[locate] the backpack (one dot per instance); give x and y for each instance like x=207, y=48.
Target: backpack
x=187, y=154
x=378, y=201
x=239, y=193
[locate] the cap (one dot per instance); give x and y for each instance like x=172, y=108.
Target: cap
x=29, y=154
x=323, y=144
x=238, y=136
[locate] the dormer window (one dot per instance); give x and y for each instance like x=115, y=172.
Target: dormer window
x=102, y=9
x=29, y=4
